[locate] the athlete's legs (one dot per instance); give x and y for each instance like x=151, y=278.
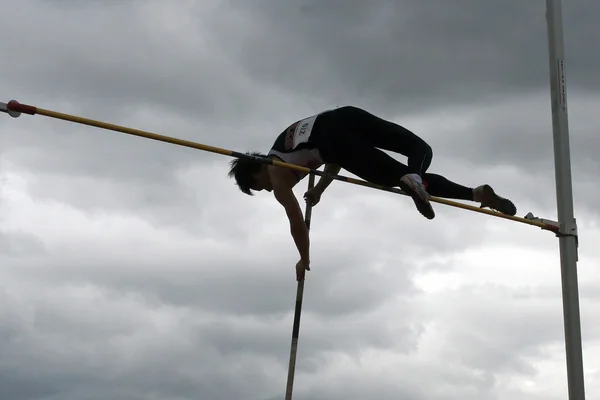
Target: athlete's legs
x=364, y=160
x=352, y=138
x=385, y=135
x=375, y=166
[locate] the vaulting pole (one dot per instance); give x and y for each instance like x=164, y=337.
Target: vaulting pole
x=568, y=241
x=298, y=310
x=14, y=109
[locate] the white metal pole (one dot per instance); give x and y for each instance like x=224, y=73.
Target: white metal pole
x=568, y=228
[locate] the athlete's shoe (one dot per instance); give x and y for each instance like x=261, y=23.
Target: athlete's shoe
x=412, y=185
x=488, y=198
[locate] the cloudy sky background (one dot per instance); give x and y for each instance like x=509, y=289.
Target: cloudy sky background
x=133, y=269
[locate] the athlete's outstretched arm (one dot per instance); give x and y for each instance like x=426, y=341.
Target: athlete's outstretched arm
x=298, y=227
x=282, y=181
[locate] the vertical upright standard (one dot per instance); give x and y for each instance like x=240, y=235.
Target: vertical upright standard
x=298, y=309
x=564, y=192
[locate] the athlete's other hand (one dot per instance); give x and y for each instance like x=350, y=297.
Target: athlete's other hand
x=301, y=267
x=313, y=196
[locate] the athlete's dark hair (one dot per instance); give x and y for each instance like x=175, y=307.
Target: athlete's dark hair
x=242, y=170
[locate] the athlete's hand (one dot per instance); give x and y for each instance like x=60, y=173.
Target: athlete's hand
x=301, y=268
x=313, y=196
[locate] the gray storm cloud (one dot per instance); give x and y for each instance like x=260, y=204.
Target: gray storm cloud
x=132, y=269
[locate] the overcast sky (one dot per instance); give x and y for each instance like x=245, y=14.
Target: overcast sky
x=132, y=269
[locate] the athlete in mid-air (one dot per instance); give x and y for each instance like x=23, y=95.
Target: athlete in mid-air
x=351, y=138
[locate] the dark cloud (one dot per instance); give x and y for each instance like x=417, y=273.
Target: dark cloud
x=400, y=57
x=390, y=57
x=132, y=67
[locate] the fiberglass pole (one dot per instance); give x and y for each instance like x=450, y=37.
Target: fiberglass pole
x=568, y=228
x=298, y=310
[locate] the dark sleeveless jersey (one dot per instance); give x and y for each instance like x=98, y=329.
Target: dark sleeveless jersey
x=293, y=145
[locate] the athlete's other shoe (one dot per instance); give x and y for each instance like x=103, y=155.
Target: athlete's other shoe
x=488, y=198
x=412, y=185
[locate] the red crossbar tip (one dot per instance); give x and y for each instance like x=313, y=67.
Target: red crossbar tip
x=15, y=109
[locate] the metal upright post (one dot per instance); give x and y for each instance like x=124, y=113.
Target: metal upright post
x=298, y=310
x=567, y=234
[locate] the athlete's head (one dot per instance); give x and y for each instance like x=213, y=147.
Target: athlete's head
x=250, y=174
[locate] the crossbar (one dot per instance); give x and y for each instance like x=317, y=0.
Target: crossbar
x=14, y=109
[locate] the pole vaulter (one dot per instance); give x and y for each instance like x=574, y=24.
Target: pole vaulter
x=15, y=109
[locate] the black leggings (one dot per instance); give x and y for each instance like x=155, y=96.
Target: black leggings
x=352, y=138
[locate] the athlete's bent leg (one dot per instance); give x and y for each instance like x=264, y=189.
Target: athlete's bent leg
x=375, y=166
x=366, y=162
x=386, y=135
